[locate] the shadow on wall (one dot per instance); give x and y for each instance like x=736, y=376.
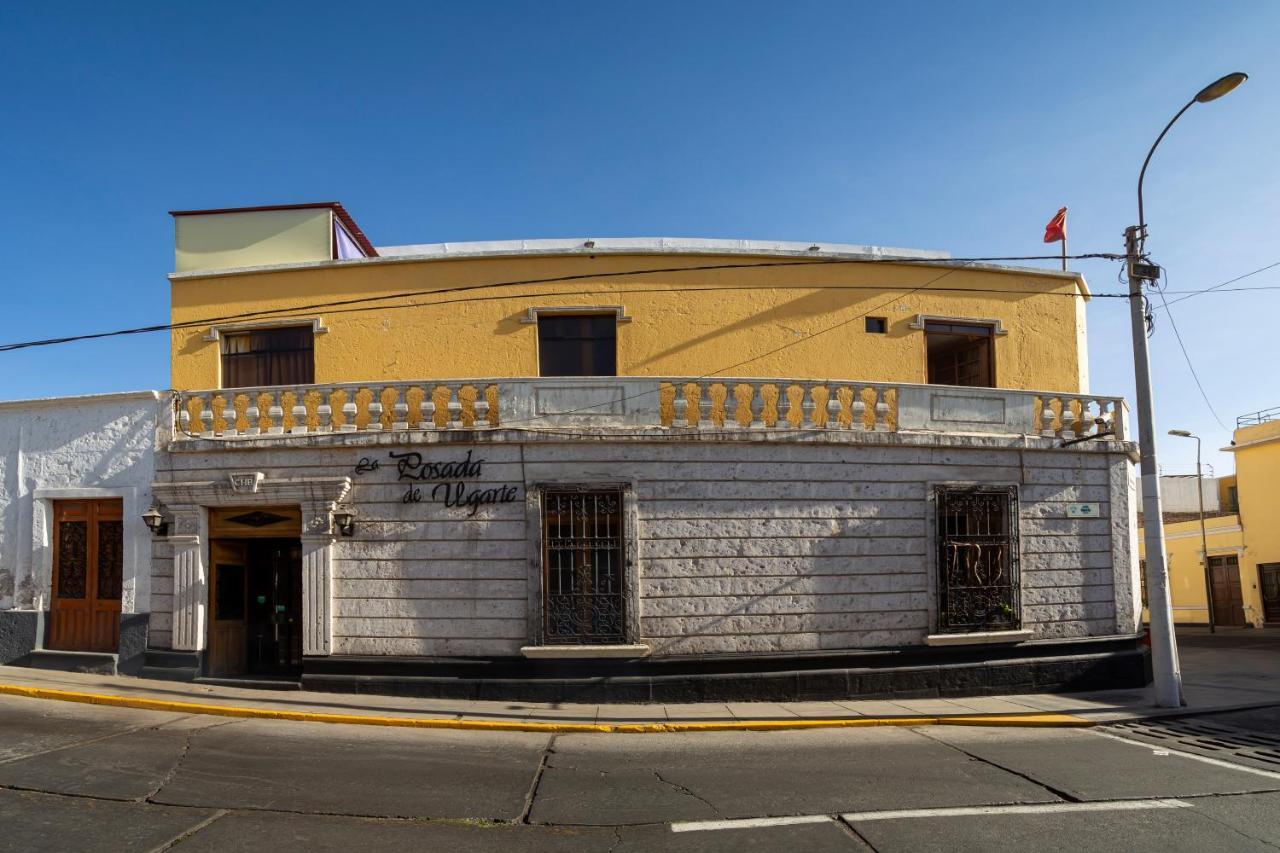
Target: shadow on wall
x=850, y=588
x=822, y=302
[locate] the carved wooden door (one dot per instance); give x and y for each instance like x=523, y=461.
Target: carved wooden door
x=229, y=607
x=88, y=572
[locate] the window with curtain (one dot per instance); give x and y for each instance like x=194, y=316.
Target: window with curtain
x=284, y=356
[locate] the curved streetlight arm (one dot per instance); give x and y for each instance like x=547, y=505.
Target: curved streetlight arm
x=1142, y=222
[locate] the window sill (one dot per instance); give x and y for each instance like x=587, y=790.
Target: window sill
x=979, y=638
x=628, y=650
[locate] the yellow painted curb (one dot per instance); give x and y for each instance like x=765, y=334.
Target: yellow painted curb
x=1023, y=720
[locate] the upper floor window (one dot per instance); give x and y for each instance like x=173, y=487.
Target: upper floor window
x=256, y=357
x=960, y=354
x=578, y=345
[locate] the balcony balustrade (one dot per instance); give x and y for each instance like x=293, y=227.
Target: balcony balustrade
x=594, y=404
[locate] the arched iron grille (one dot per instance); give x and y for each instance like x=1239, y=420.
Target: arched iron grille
x=584, y=587
x=978, y=580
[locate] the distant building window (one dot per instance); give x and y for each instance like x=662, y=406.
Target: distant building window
x=578, y=345
x=260, y=357
x=960, y=354
x=877, y=325
x=1233, y=499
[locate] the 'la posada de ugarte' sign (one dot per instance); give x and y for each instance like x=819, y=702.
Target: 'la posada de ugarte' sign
x=445, y=482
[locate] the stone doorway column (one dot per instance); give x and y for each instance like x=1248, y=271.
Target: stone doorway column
x=190, y=579
x=317, y=579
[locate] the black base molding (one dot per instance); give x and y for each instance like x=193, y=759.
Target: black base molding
x=19, y=635
x=924, y=672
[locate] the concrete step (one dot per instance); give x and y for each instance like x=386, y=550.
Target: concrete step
x=168, y=673
x=252, y=683
x=98, y=663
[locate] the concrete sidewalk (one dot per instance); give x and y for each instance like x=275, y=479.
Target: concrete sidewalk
x=1231, y=670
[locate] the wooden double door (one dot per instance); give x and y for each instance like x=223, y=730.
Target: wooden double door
x=1228, y=599
x=88, y=575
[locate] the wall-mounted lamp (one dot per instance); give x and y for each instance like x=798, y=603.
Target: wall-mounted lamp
x=590, y=244
x=345, y=520
x=154, y=520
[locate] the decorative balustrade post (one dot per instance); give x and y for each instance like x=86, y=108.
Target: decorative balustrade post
x=324, y=412
x=756, y=406
x=206, y=419
x=427, y=408
x=275, y=415
x=680, y=408
x=704, y=407
x=784, y=408
x=400, y=410
x=349, y=412
x=229, y=417
x=882, y=409
x=454, y=418
x=1046, y=419
x=807, y=405
x=299, y=414
x=833, y=407
x=481, y=408
x=375, y=410
x=184, y=418
x=858, y=413
x=252, y=416
x=731, y=406
x=1068, y=420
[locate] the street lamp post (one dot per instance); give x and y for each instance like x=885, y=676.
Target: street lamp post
x=1164, y=649
x=1204, y=536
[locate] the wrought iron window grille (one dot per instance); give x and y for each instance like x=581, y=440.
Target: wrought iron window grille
x=979, y=584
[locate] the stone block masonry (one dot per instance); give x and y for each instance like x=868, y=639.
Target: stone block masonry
x=743, y=546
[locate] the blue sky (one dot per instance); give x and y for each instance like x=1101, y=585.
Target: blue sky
x=959, y=126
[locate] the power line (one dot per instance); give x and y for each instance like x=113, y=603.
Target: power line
x=1178, y=336
x=161, y=327
x=1224, y=284
x=340, y=305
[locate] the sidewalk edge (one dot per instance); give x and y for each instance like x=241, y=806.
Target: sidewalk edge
x=1019, y=720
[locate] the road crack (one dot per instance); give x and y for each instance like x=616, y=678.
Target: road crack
x=182, y=756
x=1057, y=792
x=688, y=793
x=547, y=752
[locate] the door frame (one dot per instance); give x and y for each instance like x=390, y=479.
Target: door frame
x=135, y=581
x=95, y=613
x=1239, y=619
x=1262, y=601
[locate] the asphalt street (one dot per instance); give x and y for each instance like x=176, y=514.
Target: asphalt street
x=108, y=779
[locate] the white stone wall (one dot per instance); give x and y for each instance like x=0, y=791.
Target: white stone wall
x=794, y=544
x=101, y=446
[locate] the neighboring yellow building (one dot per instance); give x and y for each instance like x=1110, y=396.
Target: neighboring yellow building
x=1244, y=536
x=671, y=308
x=1185, y=559
x=1256, y=445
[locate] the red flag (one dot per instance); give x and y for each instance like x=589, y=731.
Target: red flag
x=1056, y=230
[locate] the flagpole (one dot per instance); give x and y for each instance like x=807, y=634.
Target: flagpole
x=1064, y=246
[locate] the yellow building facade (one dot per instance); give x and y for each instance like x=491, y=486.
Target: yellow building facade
x=682, y=308
x=1185, y=560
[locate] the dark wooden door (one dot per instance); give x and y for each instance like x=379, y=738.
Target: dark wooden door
x=88, y=572
x=228, y=607
x=1228, y=600
x=1269, y=581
